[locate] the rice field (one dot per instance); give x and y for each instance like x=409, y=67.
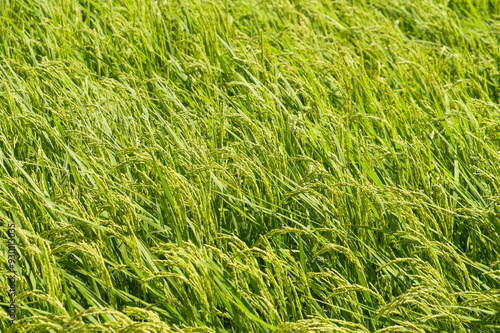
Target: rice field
x=250, y=166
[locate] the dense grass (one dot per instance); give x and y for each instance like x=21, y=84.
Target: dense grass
x=251, y=166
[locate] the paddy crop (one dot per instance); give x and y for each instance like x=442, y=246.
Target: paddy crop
x=251, y=166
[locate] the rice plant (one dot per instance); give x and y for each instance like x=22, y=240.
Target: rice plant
x=251, y=166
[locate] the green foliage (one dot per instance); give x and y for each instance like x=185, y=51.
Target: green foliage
x=251, y=166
